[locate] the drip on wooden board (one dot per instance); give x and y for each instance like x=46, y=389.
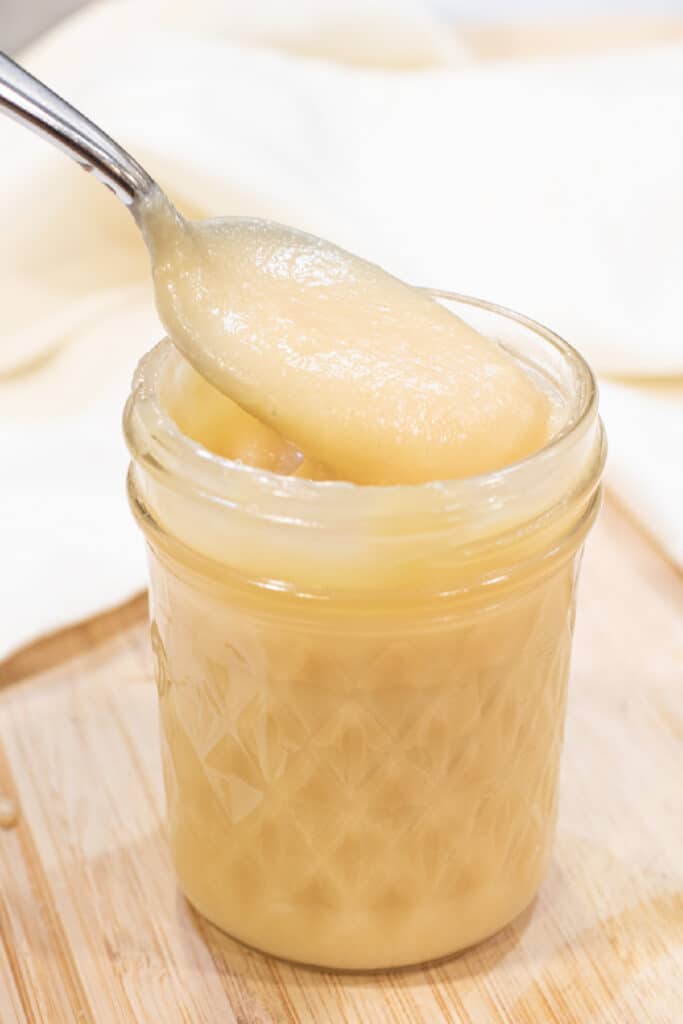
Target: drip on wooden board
x=9, y=812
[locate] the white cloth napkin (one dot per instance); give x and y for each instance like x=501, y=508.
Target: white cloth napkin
x=554, y=188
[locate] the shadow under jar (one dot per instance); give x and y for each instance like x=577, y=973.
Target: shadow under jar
x=362, y=689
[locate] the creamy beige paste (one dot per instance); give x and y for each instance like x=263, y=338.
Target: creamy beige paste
x=371, y=378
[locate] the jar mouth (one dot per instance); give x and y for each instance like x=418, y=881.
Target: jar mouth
x=154, y=439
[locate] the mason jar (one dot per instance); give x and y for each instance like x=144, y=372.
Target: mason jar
x=362, y=689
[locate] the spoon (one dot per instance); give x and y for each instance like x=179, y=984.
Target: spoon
x=29, y=101
x=361, y=372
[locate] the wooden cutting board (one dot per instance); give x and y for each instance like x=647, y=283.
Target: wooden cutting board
x=93, y=928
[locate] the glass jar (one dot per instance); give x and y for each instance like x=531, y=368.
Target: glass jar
x=362, y=689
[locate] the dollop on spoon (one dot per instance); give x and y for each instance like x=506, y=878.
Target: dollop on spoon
x=365, y=374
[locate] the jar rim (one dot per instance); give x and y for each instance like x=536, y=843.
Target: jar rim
x=154, y=439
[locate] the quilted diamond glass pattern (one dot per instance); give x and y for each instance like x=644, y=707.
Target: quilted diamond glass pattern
x=359, y=797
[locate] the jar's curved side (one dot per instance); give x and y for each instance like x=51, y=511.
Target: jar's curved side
x=455, y=579
x=360, y=797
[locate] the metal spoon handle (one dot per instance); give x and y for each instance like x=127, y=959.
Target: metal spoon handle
x=26, y=99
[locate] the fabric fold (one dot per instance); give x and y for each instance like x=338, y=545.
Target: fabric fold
x=553, y=188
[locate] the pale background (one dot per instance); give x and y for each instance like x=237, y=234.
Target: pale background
x=20, y=20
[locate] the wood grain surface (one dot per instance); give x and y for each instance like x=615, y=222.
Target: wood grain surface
x=93, y=928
